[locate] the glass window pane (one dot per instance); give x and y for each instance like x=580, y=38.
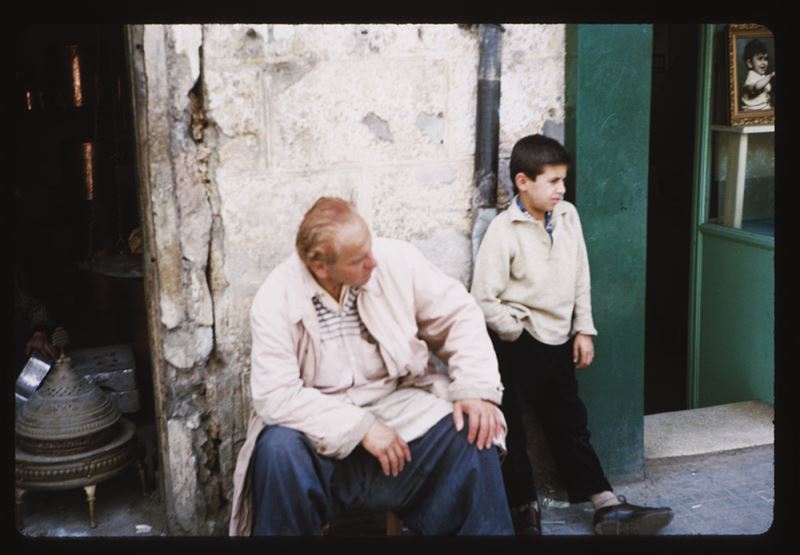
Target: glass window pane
x=753, y=207
x=758, y=210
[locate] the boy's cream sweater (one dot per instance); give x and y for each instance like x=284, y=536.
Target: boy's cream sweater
x=525, y=281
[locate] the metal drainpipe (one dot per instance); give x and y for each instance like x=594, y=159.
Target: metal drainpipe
x=487, y=131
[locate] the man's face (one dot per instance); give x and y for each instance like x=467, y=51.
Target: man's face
x=355, y=263
x=759, y=63
x=541, y=195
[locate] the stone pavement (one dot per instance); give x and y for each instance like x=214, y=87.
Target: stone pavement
x=728, y=493
x=719, y=493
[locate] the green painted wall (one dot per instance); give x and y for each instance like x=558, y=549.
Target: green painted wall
x=737, y=317
x=607, y=130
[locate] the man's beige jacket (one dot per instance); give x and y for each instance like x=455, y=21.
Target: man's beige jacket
x=409, y=306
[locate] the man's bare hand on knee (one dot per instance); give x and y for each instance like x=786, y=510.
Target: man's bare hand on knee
x=485, y=422
x=386, y=445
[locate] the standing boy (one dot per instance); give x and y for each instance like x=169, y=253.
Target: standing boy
x=532, y=283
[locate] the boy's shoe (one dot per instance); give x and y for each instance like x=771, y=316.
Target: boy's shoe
x=626, y=519
x=527, y=519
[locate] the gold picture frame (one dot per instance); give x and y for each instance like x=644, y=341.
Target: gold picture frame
x=751, y=57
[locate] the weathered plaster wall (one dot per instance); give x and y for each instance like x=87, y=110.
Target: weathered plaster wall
x=178, y=204
x=246, y=125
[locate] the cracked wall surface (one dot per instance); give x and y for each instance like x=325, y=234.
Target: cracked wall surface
x=245, y=126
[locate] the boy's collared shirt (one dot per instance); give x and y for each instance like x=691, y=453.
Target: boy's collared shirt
x=527, y=279
x=548, y=216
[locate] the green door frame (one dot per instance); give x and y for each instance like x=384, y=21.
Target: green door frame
x=699, y=205
x=607, y=129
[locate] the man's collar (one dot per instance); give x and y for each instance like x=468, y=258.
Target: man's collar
x=308, y=283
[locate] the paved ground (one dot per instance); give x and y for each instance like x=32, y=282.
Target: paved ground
x=120, y=510
x=727, y=493
x=722, y=493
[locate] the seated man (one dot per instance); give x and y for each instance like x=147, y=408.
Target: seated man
x=348, y=411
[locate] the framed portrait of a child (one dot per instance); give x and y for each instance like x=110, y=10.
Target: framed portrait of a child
x=752, y=74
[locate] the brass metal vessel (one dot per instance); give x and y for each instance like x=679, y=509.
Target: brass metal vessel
x=66, y=415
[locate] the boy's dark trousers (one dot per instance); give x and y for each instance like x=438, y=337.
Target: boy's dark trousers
x=541, y=378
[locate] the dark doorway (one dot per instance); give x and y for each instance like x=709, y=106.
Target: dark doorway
x=672, y=151
x=77, y=247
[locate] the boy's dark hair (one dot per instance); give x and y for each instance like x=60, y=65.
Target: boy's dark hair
x=532, y=153
x=752, y=48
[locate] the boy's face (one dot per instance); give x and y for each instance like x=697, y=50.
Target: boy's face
x=759, y=63
x=541, y=195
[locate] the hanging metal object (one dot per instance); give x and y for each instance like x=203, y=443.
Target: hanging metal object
x=88, y=171
x=66, y=415
x=87, y=168
x=74, y=59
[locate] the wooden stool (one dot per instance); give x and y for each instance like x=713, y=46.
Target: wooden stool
x=393, y=524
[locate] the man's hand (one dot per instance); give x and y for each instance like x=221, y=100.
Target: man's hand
x=485, y=421
x=582, y=350
x=38, y=342
x=386, y=445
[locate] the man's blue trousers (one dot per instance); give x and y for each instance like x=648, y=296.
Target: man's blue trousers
x=449, y=487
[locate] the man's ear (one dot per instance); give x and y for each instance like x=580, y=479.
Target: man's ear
x=319, y=269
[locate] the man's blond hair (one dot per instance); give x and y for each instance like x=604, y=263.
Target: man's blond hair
x=317, y=236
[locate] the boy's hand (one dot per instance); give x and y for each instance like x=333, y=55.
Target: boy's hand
x=582, y=350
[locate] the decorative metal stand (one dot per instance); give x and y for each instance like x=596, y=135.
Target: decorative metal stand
x=82, y=470
x=69, y=435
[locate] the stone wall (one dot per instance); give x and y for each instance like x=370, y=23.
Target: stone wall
x=240, y=129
